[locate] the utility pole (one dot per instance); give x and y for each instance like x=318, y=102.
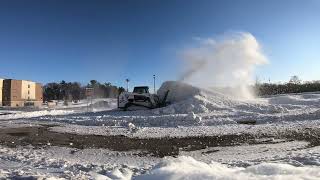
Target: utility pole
x=127, y=80
x=154, y=84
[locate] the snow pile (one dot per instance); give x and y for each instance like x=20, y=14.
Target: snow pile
x=184, y=98
x=187, y=167
x=132, y=127
x=207, y=107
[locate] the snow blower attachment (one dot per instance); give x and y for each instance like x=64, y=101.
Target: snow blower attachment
x=140, y=98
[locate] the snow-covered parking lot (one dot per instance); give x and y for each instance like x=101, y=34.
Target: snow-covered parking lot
x=264, y=138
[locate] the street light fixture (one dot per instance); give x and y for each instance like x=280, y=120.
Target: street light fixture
x=154, y=84
x=127, y=80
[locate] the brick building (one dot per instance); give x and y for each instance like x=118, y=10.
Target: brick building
x=1, y=82
x=19, y=93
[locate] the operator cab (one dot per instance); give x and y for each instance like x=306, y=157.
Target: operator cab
x=141, y=90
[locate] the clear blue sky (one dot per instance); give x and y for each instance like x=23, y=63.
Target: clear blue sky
x=107, y=40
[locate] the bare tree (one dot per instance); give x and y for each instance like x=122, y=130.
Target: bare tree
x=295, y=80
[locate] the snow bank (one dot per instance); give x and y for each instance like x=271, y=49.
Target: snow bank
x=307, y=100
x=97, y=105
x=24, y=115
x=187, y=167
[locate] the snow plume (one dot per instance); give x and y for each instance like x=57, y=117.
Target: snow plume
x=227, y=61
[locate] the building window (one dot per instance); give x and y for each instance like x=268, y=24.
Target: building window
x=28, y=92
x=28, y=85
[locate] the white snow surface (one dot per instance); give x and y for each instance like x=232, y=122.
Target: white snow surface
x=285, y=160
x=37, y=113
x=95, y=105
x=192, y=112
x=188, y=131
x=197, y=112
x=187, y=167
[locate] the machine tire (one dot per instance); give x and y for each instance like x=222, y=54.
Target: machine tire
x=126, y=106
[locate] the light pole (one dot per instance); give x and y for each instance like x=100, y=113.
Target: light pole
x=127, y=80
x=154, y=84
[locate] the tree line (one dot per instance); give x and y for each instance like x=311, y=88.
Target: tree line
x=69, y=91
x=295, y=85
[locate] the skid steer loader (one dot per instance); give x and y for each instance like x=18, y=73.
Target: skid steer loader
x=140, y=98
